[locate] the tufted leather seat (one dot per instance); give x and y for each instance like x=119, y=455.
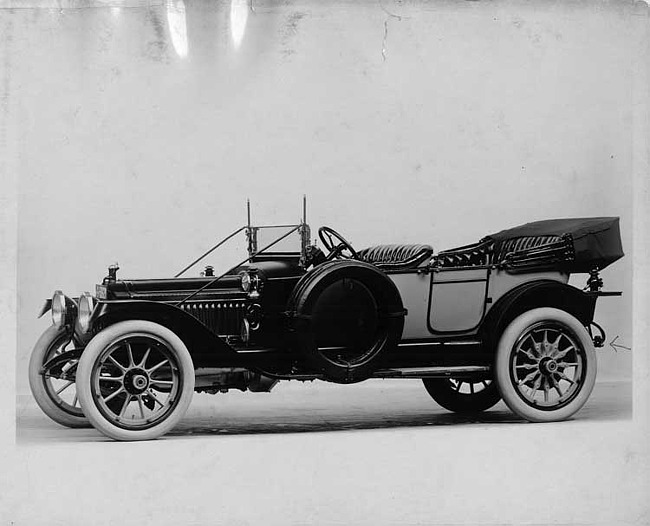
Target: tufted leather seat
x=396, y=257
x=488, y=252
x=466, y=256
x=520, y=244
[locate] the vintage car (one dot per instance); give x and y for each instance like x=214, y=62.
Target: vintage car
x=492, y=320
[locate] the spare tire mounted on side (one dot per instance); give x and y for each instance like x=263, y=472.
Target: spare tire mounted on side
x=344, y=316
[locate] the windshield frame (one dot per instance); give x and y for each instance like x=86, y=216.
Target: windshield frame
x=252, y=241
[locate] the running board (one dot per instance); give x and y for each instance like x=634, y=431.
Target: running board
x=466, y=343
x=431, y=372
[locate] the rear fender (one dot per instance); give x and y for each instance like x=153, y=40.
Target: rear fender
x=204, y=345
x=531, y=295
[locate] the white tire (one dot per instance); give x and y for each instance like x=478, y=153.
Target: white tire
x=57, y=397
x=545, y=365
x=135, y=380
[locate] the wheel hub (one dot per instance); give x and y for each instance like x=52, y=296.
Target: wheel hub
x=548, y=366
x=136, y=381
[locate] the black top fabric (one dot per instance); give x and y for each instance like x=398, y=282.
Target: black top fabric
x=596, y=240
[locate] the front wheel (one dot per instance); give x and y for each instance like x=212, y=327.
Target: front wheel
x=463, y=396
x=545, y=365
x=56, y=394
x=135, y=380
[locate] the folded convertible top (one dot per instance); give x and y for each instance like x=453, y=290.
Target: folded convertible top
x=595, y=241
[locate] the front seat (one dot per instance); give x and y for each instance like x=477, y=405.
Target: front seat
x=396, y=257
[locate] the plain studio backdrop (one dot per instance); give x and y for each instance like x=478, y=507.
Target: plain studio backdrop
x=143, y=130
x=136, y=131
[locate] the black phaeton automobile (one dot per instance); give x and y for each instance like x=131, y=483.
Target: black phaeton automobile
x=478, y=323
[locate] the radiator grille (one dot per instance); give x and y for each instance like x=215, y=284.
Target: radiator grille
x=222, y=317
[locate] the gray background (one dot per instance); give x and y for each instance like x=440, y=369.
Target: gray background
x=135, y=131
x=144, y=130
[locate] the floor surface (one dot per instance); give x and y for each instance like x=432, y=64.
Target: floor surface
x=377, y=453
x=320, y=407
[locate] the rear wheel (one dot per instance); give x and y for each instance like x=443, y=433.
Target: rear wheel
x=545, y=365
x=135, y=380
x=463, y=396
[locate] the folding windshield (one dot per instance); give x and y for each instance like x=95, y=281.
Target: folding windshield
x=293, y=240
x=268, y=241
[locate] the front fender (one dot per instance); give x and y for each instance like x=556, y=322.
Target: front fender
x=54, y=366
x=46, y=308
x=206, y=347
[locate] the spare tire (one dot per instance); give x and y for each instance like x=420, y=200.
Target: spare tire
x=344, y=315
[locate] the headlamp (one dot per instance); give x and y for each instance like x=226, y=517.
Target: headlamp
x=86, y=307
x=59, y=309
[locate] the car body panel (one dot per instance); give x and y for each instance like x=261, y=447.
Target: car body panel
x=452, y=301
x=501, y=281
x=414, y=290
x=449, y=315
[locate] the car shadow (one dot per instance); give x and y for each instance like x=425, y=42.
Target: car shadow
x=251, y=426
x=292, y=414
x=609, y=402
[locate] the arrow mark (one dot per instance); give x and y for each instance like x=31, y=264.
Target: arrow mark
x=615, y=346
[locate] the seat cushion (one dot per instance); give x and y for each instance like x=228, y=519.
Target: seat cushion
x=396, y=257
x=476, y=254
x=520, y=244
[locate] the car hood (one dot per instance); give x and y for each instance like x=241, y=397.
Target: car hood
x=230, y=284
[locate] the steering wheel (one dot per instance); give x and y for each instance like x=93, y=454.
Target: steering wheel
x=336, y=244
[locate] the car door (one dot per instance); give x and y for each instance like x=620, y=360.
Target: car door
x=457, y=299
